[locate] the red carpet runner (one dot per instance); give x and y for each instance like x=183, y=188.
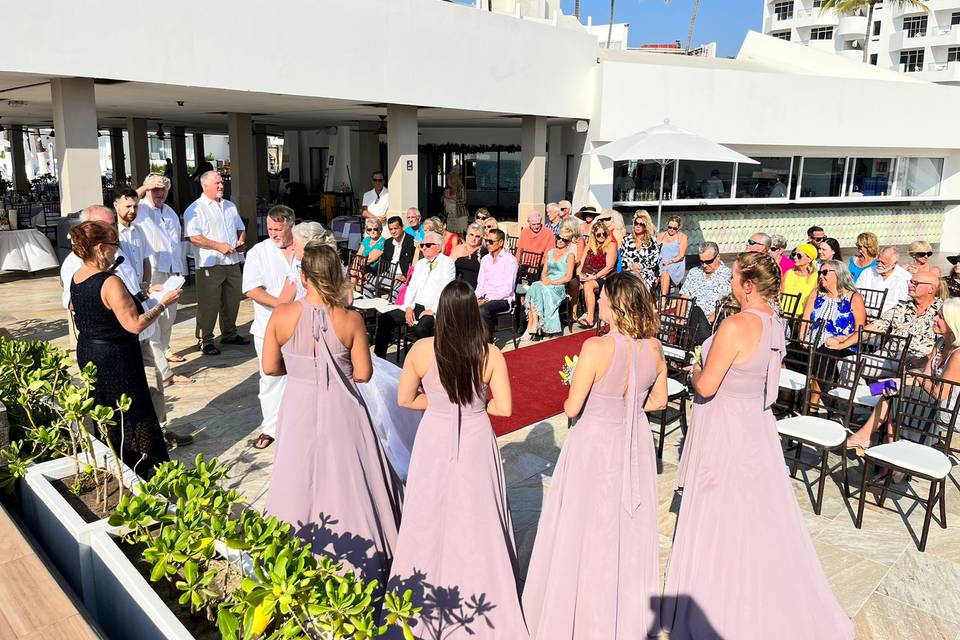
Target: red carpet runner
x=534, y=370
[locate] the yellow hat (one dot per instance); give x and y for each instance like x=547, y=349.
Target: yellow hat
x=808, y=250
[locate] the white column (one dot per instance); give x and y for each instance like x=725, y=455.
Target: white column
x=180, y=189
x=139, y=151
x=402, y=158
x=533, y=165
x=20, y=182
x=78, y=153
x=243, y=171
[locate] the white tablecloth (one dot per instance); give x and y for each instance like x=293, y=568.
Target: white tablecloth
x=26, y=250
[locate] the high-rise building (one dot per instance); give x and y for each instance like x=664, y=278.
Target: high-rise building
x=903, y=38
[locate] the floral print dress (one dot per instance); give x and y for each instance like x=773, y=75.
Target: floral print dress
x=836, y=314
x=647, y=258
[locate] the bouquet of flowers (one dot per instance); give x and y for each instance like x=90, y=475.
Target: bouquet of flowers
x=696, y=357
x=569, y=365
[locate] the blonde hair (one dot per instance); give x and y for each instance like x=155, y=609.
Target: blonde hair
x=632, y=305
x=647, y=234
x=322, y=269
x=951, y=315
x=592, y=242
x=920, y=245
x=434, y=223
x=763, y=271
x=869, y=243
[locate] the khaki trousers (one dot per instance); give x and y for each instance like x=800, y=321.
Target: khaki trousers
x=218, y=295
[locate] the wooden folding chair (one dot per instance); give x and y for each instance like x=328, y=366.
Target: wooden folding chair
x=803, y=336
x=790, y=304
x=873, y=300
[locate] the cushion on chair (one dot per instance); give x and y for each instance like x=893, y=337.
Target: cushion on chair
x=812, y=429
x=792, y=380
x=862, y=396
x=918, y=458
x=675, y=387
x=674, y=353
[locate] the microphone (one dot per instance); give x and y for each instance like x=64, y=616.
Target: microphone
x=116, y=263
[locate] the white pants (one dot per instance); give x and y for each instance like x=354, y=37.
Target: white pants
x=271, y=393
x=160, y=341
x=155, y=382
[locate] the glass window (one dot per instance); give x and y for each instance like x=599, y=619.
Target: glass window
x=919, y=176
x=822, y=177
x=955, y=18
x=635, y=181
x=783, y=35
x=915, y=26
x=911, y=61
x=769, y=179
x=480, y=171
x=510, y=171
x=707, y=180
x=873, y=59
x=953, y=54
x=821, y=33
x=876, y=28
x=795, y=176
x=870, y=176
x=783, y=10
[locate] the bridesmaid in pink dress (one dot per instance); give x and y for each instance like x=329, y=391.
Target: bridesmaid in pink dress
x=594, y=572
x=455, y=549
x=331, y=479
x=743, y=565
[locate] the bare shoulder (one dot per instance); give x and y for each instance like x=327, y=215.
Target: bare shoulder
x=494, y=356
x=597, y=346
x=420, y=354
x=656, y=346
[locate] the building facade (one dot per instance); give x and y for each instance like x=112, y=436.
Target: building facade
x=902, y=38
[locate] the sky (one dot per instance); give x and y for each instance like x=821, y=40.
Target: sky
x=725, y=22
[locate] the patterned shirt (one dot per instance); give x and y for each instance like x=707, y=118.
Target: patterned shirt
x=705, y=291
x=902, y=320
x=953, y=286
x=648, y=258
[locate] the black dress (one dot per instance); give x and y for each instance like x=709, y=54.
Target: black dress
x=468, y=268
x=116, y=354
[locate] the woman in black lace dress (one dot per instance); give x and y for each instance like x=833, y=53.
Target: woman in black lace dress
x=108, y=320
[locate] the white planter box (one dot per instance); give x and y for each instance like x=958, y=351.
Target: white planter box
x=126, y=604
x=61, y=531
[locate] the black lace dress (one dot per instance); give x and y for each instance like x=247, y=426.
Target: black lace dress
x=116, y=353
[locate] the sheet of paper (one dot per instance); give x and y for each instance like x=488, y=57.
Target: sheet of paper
x=173, y=283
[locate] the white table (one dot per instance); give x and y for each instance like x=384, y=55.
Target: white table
x=26, y=250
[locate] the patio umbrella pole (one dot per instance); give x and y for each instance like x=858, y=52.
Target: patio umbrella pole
x=663, y=168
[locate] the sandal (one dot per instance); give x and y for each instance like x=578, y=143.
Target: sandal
x=583, y=324
x=263, y=442
x=176, y=358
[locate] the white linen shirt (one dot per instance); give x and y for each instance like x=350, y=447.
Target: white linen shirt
x=897, y=285
x=377, y=204
x=161, y=228
x=72, y=263
x=428, y=281
x=133, y=243
x=206, y=218
x=265, y=267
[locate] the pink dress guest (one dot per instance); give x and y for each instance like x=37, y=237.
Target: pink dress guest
x=331, y=479
x=455, y=549
x=743, y=565
x=786, y=264
x=594, y=572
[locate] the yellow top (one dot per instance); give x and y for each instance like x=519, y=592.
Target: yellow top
x=795, y=283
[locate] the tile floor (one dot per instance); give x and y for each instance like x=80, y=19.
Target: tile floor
x=892, y=591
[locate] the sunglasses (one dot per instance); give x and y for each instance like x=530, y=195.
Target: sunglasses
x=482, y=217
x=711, y=260
x=825, y=272
x=796, y=255
x=639, y=224
x=378, y=179
x=752, y=243
x=917, y=283
x=372, y=229
x=922, y=254
x=427, y=245
x=599, y=235
x=673, y=228
x=818, y=239
x=562, y=239
x=491, y=241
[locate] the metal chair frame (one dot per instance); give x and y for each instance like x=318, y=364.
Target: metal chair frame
x=873, y=300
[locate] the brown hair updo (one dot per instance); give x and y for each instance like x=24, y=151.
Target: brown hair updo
x=87, y=235
x=321, y=266
x=632, y=305
x=763, y=271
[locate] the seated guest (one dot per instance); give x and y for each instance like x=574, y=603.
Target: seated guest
x=373, y=243
x=941, y=364
x=951, y=281
x=466, y=255
x=554, y=218
x=868, y=247
x=535, y=237
x=829, y=249
x=544, y=297
x=398, y=251
x=450, y=239
x=802, y=279
x=430, y=275
x=709, y=283
x=778, y=246
x=921, y=252
x=913, y=317
x=497, y=280
x=641, y=251
x=759, y=243
x=599, y=261
x=615, y=225
x=481, y=215
x=415, y=229
x=887, y=275
x=490, y=223
x=816, y=235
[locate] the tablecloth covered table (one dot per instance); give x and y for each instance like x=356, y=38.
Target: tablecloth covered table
x=26, y=250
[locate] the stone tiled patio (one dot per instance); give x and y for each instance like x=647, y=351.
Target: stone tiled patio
x=890, y=589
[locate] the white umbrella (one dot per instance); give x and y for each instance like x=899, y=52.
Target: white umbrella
x=664, y=144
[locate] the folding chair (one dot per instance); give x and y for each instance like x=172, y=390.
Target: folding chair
x=882, y=355
x=803, y=336
x=873, y=300
x=358, y=271
x=790, y=303
x=512, y=244
x=925, y=415
x=823, y=434
x=51, y=218
x=385, y=284
x=509, y=319
x=24, y=215
x=674, y=320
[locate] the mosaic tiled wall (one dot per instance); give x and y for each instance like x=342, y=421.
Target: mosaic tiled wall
x=893, y=225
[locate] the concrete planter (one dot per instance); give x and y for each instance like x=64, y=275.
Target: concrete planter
x=61, y=531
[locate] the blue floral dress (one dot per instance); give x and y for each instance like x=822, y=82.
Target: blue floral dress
x=836, y=315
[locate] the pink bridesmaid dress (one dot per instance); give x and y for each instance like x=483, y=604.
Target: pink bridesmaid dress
x=743, y=565
x=331, y=479
x=455, y=549
x=594, y=572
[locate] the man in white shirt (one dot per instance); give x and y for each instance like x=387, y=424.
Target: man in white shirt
x=377, y=200
x=430, y=275
x=887, y=275
x=161, y=228
x=133, y=242
x=216, y=230
x=265, y=282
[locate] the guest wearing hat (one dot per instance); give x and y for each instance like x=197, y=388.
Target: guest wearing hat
x=951, y=281
x=802, y=278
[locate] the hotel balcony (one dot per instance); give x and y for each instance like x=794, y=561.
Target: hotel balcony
x=942, y=36
x=852, y=26
x=813, y=18
x=940, y=72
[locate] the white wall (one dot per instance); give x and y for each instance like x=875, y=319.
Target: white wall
x=385, y=51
